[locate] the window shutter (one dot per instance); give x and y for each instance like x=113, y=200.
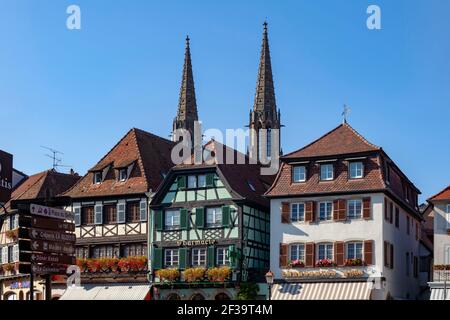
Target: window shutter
x=183, y=262
x=159, y=224
x=200, y=217
x=232, y=256
x=157, y=258
x=339, y=253
x=16, y=253
x=98, y=218
x=143, y=210
x=283, y=255
x=226, y=216
x=392, y=256
x=5, y=254
x=416, y=266
x=310, y=211
x=342, y=209
x=211, y=257
x=310, y=254
x=77, y=216
x=210, y=180
x=285, y=212
x=368, y=252
x=184, y=219
x=121, y=212
x=366, y=208
x=182, y=182
x=385, y=247
x=336, y=210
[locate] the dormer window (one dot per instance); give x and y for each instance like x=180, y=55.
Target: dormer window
x=356, y=170
x=326, y=172
x=123, y=174
x=299, y=174
x=97, y=177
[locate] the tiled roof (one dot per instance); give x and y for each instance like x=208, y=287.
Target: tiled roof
x=240, y=177
x=442, y=195
x=43, y=185
x=341, y=140
x=150, y=155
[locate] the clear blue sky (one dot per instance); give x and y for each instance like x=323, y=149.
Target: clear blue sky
x=81, y=91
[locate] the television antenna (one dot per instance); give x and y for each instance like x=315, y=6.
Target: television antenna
x=55, y=156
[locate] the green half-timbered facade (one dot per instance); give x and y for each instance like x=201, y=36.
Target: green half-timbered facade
x=209, y=217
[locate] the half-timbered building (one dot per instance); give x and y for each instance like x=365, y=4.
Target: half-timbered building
x=345, y=223
x=210, y=228
x=110, y=204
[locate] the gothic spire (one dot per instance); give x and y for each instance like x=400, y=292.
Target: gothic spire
x=187, y=105
x=265, y=92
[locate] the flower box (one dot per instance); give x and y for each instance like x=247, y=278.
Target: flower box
x=296, y=264
x=325, y=263
x=169, y=275
x=12, y=234
x=354, y=263
x=218, y=274
x=194, y=274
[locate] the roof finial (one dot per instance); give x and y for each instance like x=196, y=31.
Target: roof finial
x=345, y=113
x=265, y=25
x=187, y=40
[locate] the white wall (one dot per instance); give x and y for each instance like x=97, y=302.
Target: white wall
x=441, y=238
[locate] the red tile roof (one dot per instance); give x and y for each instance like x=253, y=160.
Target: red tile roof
x=151, y=156
x=43, y=185
x=442, y=195
x=341, y=140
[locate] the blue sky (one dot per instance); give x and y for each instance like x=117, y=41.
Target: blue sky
x=81, y=91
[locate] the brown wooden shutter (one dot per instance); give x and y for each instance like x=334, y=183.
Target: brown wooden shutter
x=285, y=212
x=368, y=252
x=339, y=253
x=310, y=211
x=367, y=214
x=336, y=210
x=314, y=210
x=392, y=256
x=310, y=254
x=283, y=255
x=342, y=210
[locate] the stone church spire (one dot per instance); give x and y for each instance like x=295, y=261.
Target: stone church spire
x=264, y=114
x=187, y=105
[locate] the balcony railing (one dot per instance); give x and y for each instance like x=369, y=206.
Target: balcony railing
x=441, y=275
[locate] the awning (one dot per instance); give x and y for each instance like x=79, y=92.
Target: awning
x=107, y=292
x=322, y=291
x=438, y=294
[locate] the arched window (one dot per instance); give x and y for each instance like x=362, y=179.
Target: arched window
x=173, y=296
x=10, y=296
x=197, y=296
x=21, y=295
x=222, y=296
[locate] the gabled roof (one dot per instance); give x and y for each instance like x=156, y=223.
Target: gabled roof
x=341, y=140
x=151, y=156
x=442, y=195
x=43, y=185
x=245, y=180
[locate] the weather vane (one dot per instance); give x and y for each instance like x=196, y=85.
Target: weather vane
x=345, y=113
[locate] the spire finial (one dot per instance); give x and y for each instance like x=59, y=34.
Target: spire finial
x=187, y=40
x=345, y=113
x=265, y=25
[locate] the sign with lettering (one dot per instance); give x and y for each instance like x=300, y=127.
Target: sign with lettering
x=6, y=171
x=192, y=243
x=46, y=258
x=52, y=247
x=48, y=269
x=41, y=234
x=45, y=223
x=36, y=209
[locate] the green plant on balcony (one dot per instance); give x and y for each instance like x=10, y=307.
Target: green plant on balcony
x=219, y=274
x=168, y=275
x=194, y=274
x=441, y=267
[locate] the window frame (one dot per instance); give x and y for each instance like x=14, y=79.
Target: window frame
x=356, y=177
x=298, y=212
x=326, y=251
x=354, y=244
x=97, y=174
x=326, y=165
x=215, y=224
x=326, y=213
x=197, y=255
x=107, y=215
x=300, y=257
x=135, y=216
x=226, y=256
x=300, y=180
x=202, y=176
x=121, y=179
x=172, y=256
x=91, y=220
x=189, y=180
x=360, y=215
x=172, y=226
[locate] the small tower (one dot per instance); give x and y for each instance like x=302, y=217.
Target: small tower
x=264, y=114
x=187, y=105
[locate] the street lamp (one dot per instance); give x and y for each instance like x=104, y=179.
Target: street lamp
x=269, y=280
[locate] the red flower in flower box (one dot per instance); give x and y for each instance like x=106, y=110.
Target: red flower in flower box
x=325, y=263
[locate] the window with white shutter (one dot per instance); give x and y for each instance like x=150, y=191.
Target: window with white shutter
x=98, y=214
x=143, y=210
x=121, y=212
x=16, y=253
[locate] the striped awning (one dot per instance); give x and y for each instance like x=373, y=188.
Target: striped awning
x=322, y=291
x=438, y=294
x=133, y=291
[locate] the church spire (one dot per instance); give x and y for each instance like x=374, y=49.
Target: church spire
x=264, y=114
x=187, y=105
